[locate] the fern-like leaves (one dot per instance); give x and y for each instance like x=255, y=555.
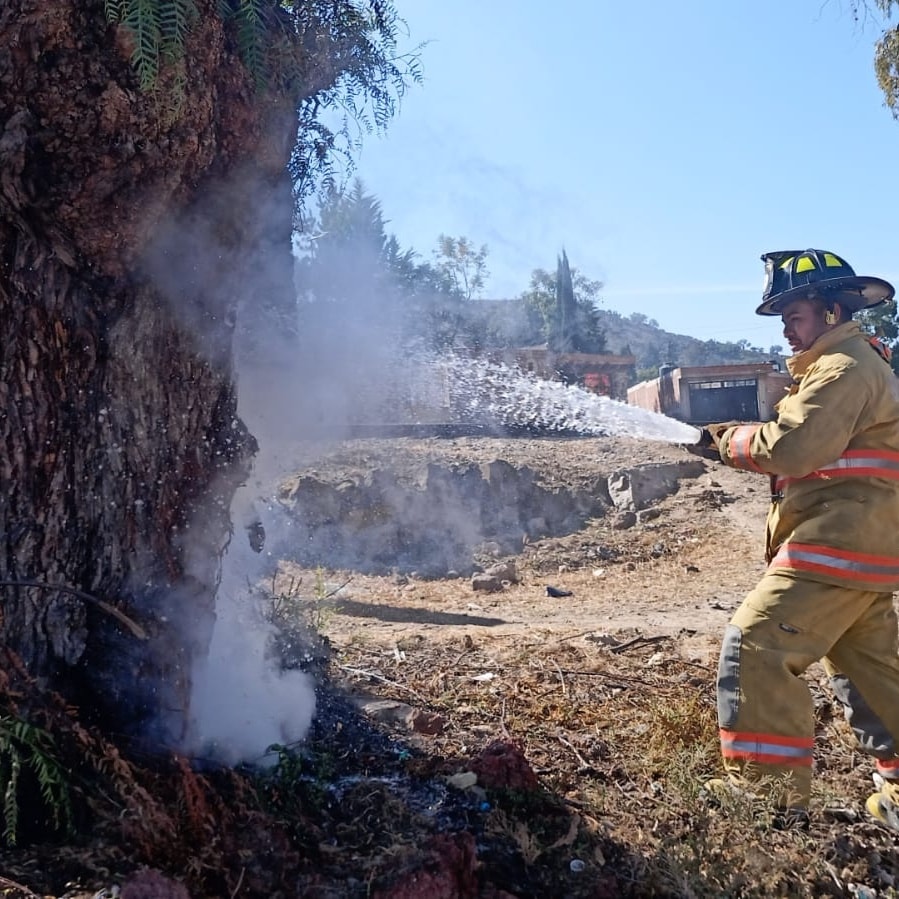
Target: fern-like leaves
x=159, y=29
x=22, y=744
x=251, y=29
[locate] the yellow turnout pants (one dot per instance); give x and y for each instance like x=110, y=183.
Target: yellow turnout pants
x=765, y=711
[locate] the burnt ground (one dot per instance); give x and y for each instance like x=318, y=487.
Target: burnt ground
x=506, y=743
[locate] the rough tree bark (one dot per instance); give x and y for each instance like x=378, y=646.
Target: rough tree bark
x=127, y=231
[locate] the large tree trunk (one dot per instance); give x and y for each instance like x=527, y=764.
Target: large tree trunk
x=126, y=227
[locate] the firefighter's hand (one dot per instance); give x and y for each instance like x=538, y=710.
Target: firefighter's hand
x=706, y=446
x=709, y=439
x=717, y=430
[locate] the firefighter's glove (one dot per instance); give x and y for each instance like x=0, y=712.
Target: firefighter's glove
x=709, y=438
x=716, y=431
x=706, y=446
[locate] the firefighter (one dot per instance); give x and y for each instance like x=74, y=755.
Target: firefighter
x=832, y=544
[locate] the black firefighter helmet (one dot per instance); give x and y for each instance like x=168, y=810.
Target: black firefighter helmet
x=817, y=274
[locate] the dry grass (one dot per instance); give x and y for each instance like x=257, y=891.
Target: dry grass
x=623, y=742
x=621, y=735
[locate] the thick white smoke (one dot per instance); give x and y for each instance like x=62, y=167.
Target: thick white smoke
x=243, y=701
x=308, y=366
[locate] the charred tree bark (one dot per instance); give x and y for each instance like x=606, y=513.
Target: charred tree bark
x=128, y=228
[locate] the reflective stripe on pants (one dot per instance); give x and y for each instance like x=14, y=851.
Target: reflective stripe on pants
x=784, y=625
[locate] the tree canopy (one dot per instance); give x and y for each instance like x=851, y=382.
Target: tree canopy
x=338, y=63
x=886, y=51
x=561, y=309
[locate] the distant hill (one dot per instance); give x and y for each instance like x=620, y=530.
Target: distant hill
x=643, y=338
x=505, y=323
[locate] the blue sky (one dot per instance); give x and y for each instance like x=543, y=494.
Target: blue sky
x=664, y=146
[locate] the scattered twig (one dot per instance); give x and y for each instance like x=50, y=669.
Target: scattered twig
x=639, y=641
x=832, y=871
x=236, y=889
x=338, y=589
x=8, y=884
x=696, y=664
x=572, y=637
x=581, y=760
x=459, y=657
x=617, y=676
x=129, y=623
x=385, y=680
x=561, y=678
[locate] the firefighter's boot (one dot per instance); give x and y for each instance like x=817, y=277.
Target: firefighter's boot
x=884, y=804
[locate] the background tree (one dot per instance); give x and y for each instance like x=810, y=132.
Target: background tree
x=462, y=265
x=148, y=185
x=881, y=321
x=356, y=281
x=564, y=338
x=542, y=309
x=886, y=50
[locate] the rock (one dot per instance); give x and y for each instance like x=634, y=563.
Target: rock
x=398, y=714
x=637, y=488
x=256, y=535
x=428, y=723
x=502, y=765
x=489, y=548
x=463, y=780
x=624, y=520
x=446, y=869
x=504, y=571
x=486, y=583
x=387, y=711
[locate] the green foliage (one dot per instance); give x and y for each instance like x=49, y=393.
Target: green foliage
x=886, y=51
x=882, y=322
x=296, y=787
x=338, y=57
x=251, y=26
x=159, y=29
x=564, y=338
x=583, y=329
x=357, y=40
x=462, y=264
x=358, y=284
x=22, y=746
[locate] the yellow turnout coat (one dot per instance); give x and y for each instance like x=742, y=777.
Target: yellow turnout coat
x=833, y=454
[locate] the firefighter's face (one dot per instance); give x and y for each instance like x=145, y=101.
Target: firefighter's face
x=803, y=323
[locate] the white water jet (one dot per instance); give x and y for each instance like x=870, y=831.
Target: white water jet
x=517, y=399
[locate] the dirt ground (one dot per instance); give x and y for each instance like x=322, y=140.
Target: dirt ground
x=491, y=745
x=679, y=572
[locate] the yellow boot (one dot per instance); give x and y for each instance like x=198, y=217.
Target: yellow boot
x=884, y=804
